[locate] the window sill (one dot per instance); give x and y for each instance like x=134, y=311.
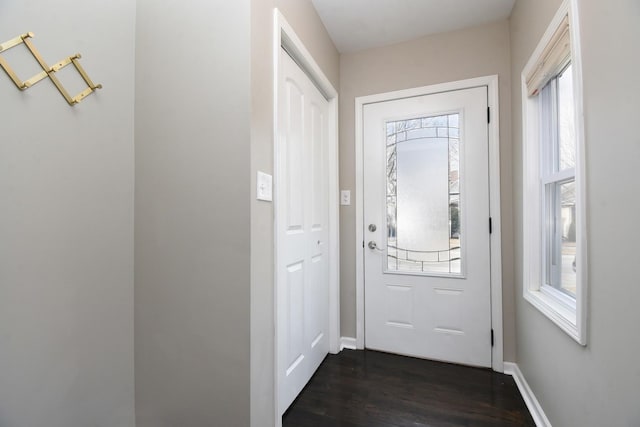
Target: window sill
x=557, y=312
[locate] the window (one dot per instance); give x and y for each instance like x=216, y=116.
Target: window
x=554, y=216
x=557, y=170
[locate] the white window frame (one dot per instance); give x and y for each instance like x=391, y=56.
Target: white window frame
x=569, y=315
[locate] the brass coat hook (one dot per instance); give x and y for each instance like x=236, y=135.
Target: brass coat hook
x=46, y=70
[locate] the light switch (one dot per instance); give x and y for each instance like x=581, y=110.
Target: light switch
x=345, y=197
x=265, y=187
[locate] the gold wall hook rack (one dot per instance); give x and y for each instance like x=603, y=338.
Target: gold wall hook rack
x=47, y=71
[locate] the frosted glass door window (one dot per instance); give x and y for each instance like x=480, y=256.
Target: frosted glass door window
x=423, y=195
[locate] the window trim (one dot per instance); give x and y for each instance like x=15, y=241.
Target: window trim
x=558, y=308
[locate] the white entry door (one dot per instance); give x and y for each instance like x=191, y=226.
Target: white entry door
x=302, y=213
x=426, y=213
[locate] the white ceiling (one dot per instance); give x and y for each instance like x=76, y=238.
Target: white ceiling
x=362, y=24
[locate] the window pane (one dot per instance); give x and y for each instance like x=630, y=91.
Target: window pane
x=566, y=120
x=568, y=237
x=548, y=128
x=423, y=195
x=561, y=236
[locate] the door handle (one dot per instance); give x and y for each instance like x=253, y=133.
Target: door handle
x=374, y=246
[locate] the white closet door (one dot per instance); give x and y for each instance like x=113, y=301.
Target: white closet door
x=302, y=211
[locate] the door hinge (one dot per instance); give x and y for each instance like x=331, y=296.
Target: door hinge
x=492, y=338
x=490, y=226
x=363, y=243
x=488, y=114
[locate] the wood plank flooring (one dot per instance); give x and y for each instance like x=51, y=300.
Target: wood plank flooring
x=373, y=389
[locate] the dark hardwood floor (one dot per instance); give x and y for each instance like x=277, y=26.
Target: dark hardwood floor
x=373, y=389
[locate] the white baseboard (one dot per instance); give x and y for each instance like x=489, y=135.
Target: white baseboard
x=527, y=395
x=348, y=343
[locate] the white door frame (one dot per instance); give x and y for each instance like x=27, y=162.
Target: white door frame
x=285, y=37
x=494, y=201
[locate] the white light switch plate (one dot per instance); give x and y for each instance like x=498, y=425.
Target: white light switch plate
x=265, y=187
x=345, y=197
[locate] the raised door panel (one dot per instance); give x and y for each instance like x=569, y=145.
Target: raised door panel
x=295, y=315
x=294, y=167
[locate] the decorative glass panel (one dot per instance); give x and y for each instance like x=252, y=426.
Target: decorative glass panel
x=423, y=195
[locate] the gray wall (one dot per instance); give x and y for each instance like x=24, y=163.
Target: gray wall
x=192, y=213
x=305, y=21
x=458, y=55
x=66, y=221
x=596, y=385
